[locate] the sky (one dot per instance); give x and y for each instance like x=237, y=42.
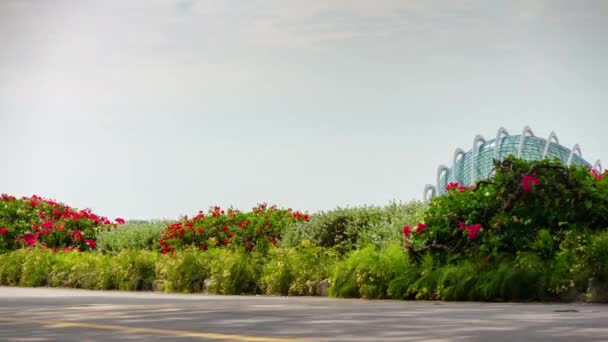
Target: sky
x=155, y=109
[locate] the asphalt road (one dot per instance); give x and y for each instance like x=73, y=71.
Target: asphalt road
x=77, y=315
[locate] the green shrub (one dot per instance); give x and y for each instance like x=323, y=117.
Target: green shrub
x=368, y=272
x=234, y=272
x=36, y=268
x=457, y=281
x=598, y=256
x=297, y=271
x=185, y=271
x=346, y=229
x=82, y=270
x=10, y=267
x=144, y=236
x=134, y=270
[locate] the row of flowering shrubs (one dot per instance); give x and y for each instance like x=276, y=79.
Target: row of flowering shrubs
x=259, y=229
x=36, y=221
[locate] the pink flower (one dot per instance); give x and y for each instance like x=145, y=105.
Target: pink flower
x=407, y=231
x=455, y=185
x=473, y=230
x=451, y=185
x=597, y=175
x=3, y=231
x=529, y=182
x=421, y=227
x=119, y=220
x=91, y=243
x=47, y=224
x=29, y=239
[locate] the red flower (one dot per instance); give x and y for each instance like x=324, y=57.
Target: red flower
x=29, y=239
x=455, y=185
x=406, y=247
x=421, y=227
x=91, y=243
x=224, y=228
x=201, y=230
x=473, y=230
x=47, y=224
x=529, y=182
x=227, y=241
x=451, y=185
x=407, y=231
x=204, y=246
x=597, y=175
x=3, y=231
x=230, y=234
x=77, y=235
x=119, y=220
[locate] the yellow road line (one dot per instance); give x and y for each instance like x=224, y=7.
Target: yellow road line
x=181, y=333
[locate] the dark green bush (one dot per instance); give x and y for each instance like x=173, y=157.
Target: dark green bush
x=598, y=256
x=346, y=229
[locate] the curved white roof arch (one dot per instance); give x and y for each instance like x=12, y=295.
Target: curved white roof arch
x=501, y=132
x=552, y=136
x=478, y=138
x=598, y=166
x=441, y=169
x=575, y=148
x=457, y=153
x=433, y=191
x=527, y=131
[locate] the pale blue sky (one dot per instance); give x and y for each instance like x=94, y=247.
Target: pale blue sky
x=150, y=109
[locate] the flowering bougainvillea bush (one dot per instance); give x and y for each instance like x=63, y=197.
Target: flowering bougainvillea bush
x=530, y=216
x=258, y=229
x=505, y=213
x=36, y=221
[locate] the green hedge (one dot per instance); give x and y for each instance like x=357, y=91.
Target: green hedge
x=347, y=229
x=141, y=235
x=217, y=271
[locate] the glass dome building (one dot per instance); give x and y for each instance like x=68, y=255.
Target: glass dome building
x=477, y=163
